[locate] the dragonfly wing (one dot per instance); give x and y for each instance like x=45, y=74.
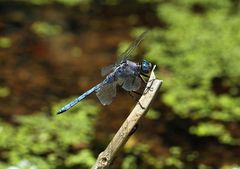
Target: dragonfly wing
x=106, y=70
x=132, y=47
x=106, y=93
x=131, y=83
x=137, y=84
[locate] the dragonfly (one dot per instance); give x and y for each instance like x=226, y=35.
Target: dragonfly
x=125, y=73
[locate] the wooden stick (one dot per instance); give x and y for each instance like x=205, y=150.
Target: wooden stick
x=106, y=157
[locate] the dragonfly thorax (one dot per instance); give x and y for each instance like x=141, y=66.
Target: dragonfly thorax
x=146, y=66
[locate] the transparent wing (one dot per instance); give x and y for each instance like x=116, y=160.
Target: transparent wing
x=132, y=47
x=106, y=93
x=106, y=70
x=131, y=83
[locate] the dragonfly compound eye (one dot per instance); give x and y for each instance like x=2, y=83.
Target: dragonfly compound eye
x=146, y=66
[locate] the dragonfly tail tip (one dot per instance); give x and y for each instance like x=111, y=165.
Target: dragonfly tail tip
x=60, y=112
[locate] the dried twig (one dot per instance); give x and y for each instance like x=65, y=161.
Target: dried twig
x=105, y=158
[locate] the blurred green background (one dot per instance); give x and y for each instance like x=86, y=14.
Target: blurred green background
x=52, y=50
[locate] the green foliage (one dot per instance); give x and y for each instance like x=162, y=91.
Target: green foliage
x=139, y=156
x=208, y=129
x=23, y=165
x=46, y=29
x=84, y=157
x=50, y=141
x=174, y=159
x=73, y=2
x=152, y=114
x=129, y=162
x=203, y=166
x=198, y=54
x=4, y=91
x=234, y=166
x=5, y=42
x=214, y=129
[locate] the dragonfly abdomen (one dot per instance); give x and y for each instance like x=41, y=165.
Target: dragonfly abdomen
x=75, y=101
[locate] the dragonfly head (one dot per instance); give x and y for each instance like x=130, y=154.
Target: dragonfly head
x=146, y=67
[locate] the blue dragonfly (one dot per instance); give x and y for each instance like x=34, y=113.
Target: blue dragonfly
x=124, y=72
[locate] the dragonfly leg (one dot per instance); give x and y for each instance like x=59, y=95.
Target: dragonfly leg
x=145, y=75
x=141, y=105
x=130, y=93
x=136, y=99
x=138, y=93
x=149, y=88
x=144, y=81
